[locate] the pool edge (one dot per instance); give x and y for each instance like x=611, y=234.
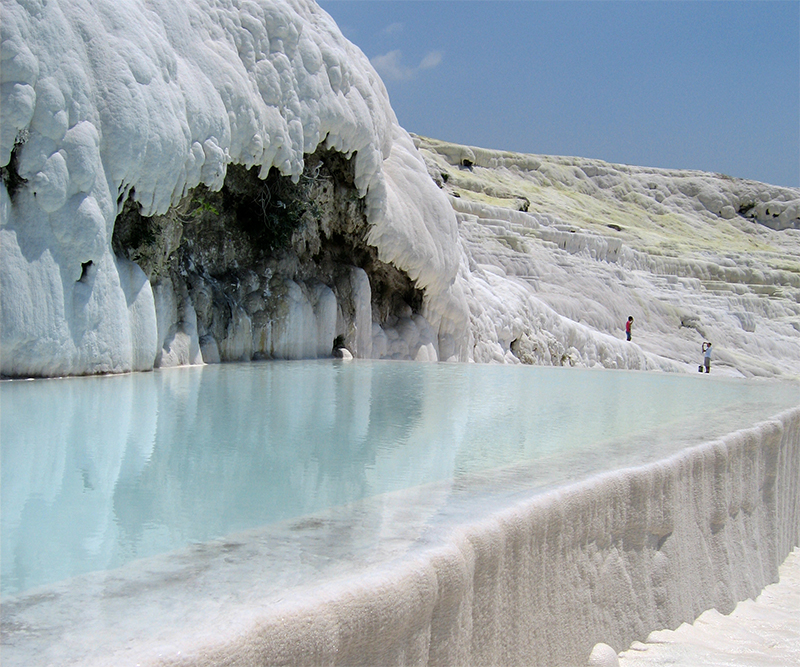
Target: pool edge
x=607, y=559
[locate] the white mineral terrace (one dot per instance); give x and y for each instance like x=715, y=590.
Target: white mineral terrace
x=591, y=508
x=522, y=257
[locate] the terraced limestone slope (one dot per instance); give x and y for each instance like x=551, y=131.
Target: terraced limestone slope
x=562, y=250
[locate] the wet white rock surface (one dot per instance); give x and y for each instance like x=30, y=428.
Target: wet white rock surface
x=760, y=632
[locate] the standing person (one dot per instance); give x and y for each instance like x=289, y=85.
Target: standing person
x=628, y=326
x=707, y=356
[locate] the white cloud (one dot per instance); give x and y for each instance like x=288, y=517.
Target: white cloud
x=391, y=67
x=393, y=29
x=431, y=60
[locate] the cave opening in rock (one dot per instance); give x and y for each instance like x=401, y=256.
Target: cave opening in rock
x=260, y=251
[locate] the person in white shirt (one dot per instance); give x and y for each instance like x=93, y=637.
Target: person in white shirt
x=707, y=356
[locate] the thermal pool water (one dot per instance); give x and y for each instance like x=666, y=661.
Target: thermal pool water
x=383, y=512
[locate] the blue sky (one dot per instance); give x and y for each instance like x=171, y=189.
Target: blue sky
x=690, y=85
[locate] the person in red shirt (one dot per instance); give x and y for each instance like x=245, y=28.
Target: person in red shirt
x=628, y=326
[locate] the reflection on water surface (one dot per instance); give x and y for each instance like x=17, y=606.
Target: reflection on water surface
x=101, y=471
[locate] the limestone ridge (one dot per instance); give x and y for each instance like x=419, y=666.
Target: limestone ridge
x=164, y=193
